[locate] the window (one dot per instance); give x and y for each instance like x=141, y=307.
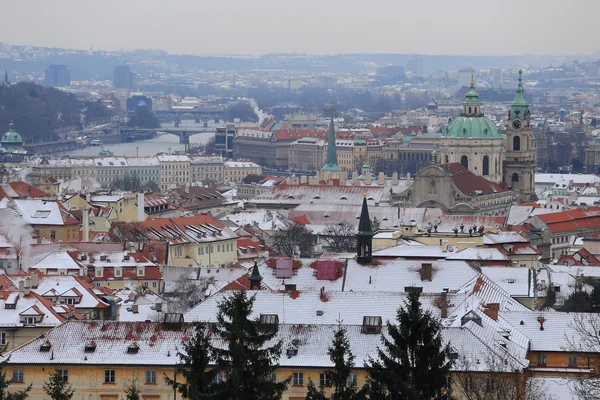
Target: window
x=218, y=378
x=298, y=379
x=150, y=377
x=64, y=374
x=352, y=381
x=154, y=284
x=272, y=376
x=109, y=376
x=517, y=143
x=541, y=359
x=53, y=235
x=2, y=338
x=29, y=321
x=464, y=160
x=486, y=166
x=490, y=384
x=18, y=376
x=572, y=361
x=325, y=379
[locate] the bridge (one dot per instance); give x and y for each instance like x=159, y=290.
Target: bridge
x=57, y=146
x=184, y=133
x=200, y=115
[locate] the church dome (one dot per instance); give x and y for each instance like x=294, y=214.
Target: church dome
x=472, y=124
x=472, y=128
x=12, y=137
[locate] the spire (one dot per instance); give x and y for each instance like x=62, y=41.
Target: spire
x=472, y=95
x=6, y=76
x=364, y=236
x=331, y=160
x=519, y=107
x=255, y=278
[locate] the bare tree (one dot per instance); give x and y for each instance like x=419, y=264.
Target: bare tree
x=340, y=237
x=584, y=342
x=495, y=377
x=186, y=293
x=294, y=240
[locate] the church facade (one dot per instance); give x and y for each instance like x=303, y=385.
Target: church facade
x=482, y=170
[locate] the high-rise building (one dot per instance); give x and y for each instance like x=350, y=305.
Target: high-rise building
x=123, y=77
x=497, y=77
x=57, y=75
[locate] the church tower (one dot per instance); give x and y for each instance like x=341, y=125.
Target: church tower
x=331, y=169
x=364, y=236
x=520, y=160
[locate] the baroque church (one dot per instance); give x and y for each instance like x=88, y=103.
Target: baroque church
x=481, y=170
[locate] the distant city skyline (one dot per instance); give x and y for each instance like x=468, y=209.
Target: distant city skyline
x=458, y=27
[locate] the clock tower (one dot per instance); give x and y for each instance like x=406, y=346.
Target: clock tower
x=520, y=158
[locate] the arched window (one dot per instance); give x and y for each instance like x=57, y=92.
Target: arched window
x=464, y=160
x=469, y=110
x=486, y=166
x=515, y=177
x=517, y=143
x=447, y=159
x=496, y=166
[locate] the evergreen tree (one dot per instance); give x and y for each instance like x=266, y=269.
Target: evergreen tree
x=413, y=363
x=245, y=364
x=5, y=383
x=132, y=392
x=312, y=393
x=195, y=357
x=57, y=388
x=342, y=358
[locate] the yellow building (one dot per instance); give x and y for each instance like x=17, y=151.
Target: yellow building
x=236, y=171
x=50, y=220
x=353, y=154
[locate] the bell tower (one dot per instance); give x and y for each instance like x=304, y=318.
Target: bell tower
x=520, y=159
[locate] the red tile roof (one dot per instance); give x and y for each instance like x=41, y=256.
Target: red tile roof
x=469, y=183
x=22, y=190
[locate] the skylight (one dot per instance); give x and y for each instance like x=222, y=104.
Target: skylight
x=41, y=214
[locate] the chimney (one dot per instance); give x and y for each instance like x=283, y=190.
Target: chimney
x=368, y=178
x=408, y=179
x=426, y=271
x=22, y=286
x=27, y=288
x=541, y=320
x=158, y=307
x=35, y=280
x=86, y=224
x=140, y=202
x=444, y=304
x=491, y=310
x=354, y=178
x=395, y=178
x=29, y=191
x=88, y=198
x=380, y=179
x=303, y=179
x=342, y=178
x=134, y=308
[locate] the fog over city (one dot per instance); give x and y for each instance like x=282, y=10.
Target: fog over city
x=311, y=26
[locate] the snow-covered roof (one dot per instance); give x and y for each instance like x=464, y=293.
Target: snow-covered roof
x=39, y=212
x=56, y=260
x=412, y=250
x=518, y=281
x=479, y=253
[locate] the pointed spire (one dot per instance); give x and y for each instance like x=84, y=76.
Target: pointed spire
x=364, y=236
x=331, y=163
x=364, y=225
x=255, y=277
x=6, y=76
x=472, y=95
x=519, y=107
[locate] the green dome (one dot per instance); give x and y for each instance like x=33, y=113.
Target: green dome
x=472, y=128
x=11, y=136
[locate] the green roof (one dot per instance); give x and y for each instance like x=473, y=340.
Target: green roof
x=519, y=107
x=331, y=163
x=12, y=136
x=472, y=128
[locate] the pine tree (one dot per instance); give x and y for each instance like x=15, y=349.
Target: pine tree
x=247, y=366
x=413, y=363
x=5, y=383
x=312, y=393
x=57, y=388
x=132, y=392
x=342, y=358
x=194, y=362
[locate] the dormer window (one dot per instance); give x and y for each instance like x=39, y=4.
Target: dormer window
x=269, y=321
x=134, y=348
x=45, y=347
x=83, y=257
x=371, y=324
x=126, y=258
x=102, y=258
x=90, y=347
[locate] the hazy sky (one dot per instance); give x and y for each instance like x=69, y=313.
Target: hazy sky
x=483, y=27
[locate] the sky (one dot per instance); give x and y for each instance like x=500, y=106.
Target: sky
x=450, y=27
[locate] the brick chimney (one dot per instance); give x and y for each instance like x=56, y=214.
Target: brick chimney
x=443, y=305
x=491, y=310
x=426, y=271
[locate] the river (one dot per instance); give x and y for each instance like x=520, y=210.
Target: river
x=150, y=147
